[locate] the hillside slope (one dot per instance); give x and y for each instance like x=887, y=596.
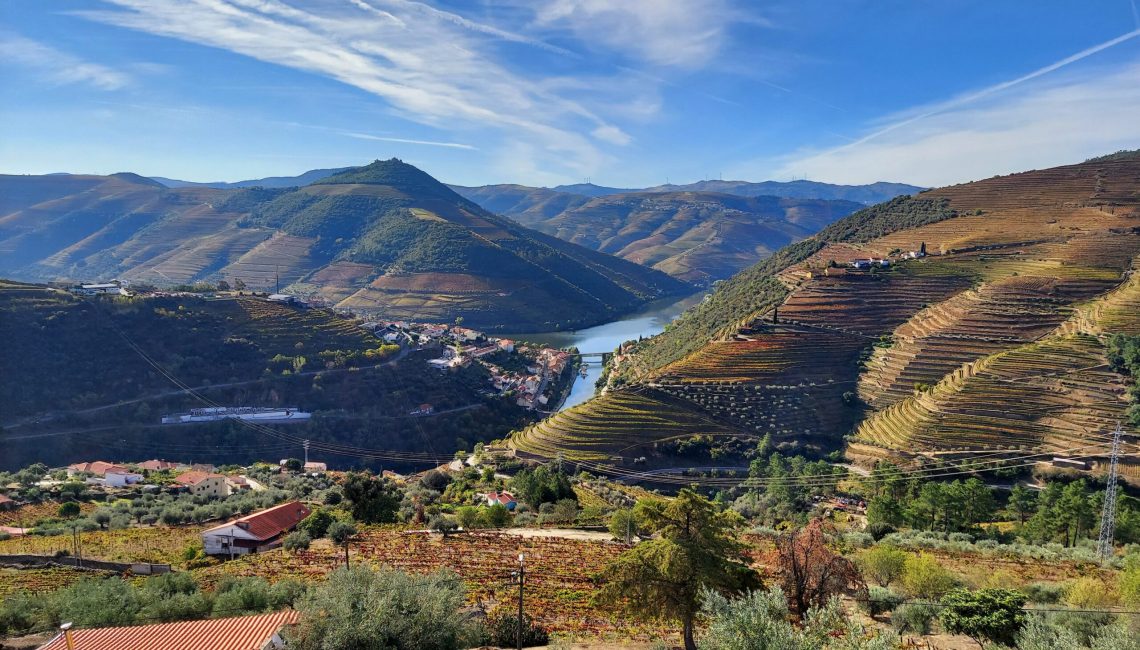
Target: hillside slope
x=385, y=238
x=994, y=342
x=84, y=378
x=699, y=237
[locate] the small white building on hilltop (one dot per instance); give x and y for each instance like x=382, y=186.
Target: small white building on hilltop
x=254, y=533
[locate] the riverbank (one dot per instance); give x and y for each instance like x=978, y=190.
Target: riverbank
x=606, y=338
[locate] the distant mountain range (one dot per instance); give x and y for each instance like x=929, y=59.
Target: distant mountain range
x=385, y=238
x=865, y=194
x=700, y=232
x=310, y=176
x=699, y=237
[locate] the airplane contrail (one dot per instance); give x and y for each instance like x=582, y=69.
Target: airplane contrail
x=990, y=90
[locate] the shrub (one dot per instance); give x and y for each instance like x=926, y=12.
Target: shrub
x=914, y=618
x=443, y=525
x=992, y=614
x=880, y=529
x=882, y=564
x=503, y=631
x=316, y=525
x=880, y=600
x=924, y=577
x=1128, y=584
x=297, y=541
x=1045, y=593
x=1090, y=593
x=365, y=608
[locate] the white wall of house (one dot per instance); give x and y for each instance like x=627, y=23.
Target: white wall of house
x=114, y=479
x=217, y=541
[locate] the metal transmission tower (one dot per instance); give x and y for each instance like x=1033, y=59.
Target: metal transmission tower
x=1108, y=516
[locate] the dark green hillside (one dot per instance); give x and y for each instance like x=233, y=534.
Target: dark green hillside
x=77, y=365
x=757, y=289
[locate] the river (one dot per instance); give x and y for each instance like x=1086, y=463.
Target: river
x=607, y=337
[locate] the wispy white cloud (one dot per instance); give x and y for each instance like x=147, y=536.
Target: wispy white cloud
x=428, y=143
x=681, y=33
x=433, y=67
x=56, y=66
x=1049, y=122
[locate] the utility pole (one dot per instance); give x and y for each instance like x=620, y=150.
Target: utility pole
x=522, y=579
x=305, y=444
x=1104, y=547
x=629, y=528
x=277, y=275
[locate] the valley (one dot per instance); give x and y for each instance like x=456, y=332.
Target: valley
x=993, y=342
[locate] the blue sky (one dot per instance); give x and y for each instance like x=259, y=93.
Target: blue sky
x=542, y=92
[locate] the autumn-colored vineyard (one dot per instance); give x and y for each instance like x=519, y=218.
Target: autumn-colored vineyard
x=161, y=545
x=559, y=571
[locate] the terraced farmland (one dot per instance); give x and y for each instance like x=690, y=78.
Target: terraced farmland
x=990, y=342
x=865, y=304
x=626, y=422
x=766, y=354
x=1055, y=395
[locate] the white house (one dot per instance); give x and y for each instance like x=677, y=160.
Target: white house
x=505, y=498
x=199, y=482
x=260, y=531
x=111, y=288
x=121, y=479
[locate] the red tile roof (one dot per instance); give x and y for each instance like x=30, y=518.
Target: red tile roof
x=99, y=468
x=270, y=523
x=157, y=464
x=504, y=498
x=237, y=633
x=194, y=477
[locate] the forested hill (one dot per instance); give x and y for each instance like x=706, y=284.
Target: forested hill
x=87, y=378
x=385, y=238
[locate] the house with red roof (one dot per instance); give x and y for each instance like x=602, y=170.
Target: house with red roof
x=253, y=533
x=505, y=498
x=158, y=465
x=98, y=468
x=203, y=483
x=259, y=632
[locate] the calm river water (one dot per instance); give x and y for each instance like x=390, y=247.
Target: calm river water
x=606, y=338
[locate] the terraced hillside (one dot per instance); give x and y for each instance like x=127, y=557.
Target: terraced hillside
x=994, y=341
x=384, y=238
x=699, y=237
